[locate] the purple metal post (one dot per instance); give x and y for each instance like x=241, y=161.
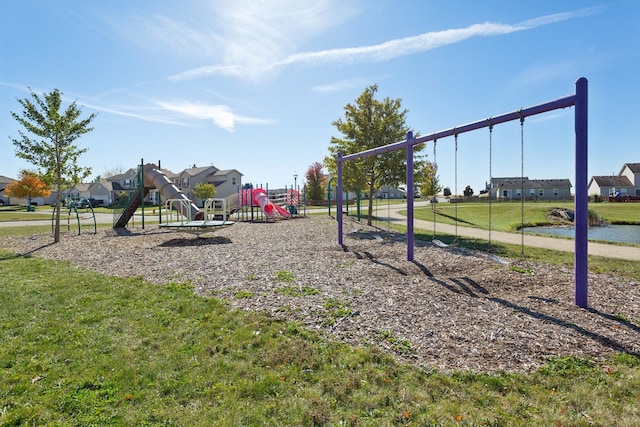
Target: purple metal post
x=339, y=198
x=410, y=194
x=581, y=220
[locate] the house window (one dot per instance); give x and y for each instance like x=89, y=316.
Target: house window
x=556, y=192
x=541, y=192
x=532, y=192
x=518, y=193
x=185, y=182
x=233, y=180
x=127, y=183
x=505, y=193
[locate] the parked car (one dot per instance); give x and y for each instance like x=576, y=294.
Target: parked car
x=90, y=202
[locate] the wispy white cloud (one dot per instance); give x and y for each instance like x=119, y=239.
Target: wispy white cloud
x=250, y=58
x=221, y=115
x=399, y=47
x=255, y=36
x=146, y=114
x=344, y=84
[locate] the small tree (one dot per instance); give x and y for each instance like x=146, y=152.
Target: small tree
x=203, y=190
x=316, y=182
x=468, y=191
x=27, y=187
x=51, y=145
x=430, y=183
x=367, y=124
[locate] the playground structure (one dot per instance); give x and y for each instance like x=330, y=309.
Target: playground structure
x=72, y=205
x=255, y=204
x=149, y=176
x=579, y=100
x=182, y=212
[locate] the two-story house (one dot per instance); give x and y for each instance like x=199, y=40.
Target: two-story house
x=227, y=182
x=626, y=183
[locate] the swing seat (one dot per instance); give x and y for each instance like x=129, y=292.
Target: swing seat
x=497, y=259
x=439, y=243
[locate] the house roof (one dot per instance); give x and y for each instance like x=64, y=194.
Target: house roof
x=515, y=182
x=226, y=172
x=83, y=186
x=633, y=167
x=6, y=179
x=198, y=171
x=612, y=181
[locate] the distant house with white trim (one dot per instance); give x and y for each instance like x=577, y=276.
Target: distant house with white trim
x=514, y=188
x=626, y=183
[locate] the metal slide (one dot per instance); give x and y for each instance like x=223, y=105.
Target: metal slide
x=153, y=177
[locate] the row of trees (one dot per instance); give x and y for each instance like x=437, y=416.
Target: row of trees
x=370, y=123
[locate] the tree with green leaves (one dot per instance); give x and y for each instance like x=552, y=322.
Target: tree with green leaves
x=430, y=183
x=203, y=190
x=49, y=142
x=367, y=124
x=316, y=182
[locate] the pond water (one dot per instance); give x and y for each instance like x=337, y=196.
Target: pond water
x=610, y=233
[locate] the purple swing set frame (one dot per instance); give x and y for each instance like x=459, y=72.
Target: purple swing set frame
x=580, y=100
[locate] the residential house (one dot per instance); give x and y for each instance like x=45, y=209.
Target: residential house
x=626, y=183
x=4, y=181
x=534, y=189
x=388, y=192
x=227, y=182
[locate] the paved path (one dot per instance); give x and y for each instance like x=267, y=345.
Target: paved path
x=85, y=218
x=566, y=245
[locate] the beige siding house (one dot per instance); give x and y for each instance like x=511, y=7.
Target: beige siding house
x=626, y=183
x=227, y=182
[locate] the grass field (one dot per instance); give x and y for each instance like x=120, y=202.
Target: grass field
x=78, y=348
x=507, y=216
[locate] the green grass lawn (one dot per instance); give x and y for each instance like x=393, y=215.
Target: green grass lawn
x=507, y=216
x=79, y=348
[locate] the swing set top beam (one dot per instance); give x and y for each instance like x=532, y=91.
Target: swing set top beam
x=567, y=101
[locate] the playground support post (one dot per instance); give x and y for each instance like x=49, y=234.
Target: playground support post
x=410, y=237
x=579, y=100
x=581, y=198
x=329, y=194
x=339, y=200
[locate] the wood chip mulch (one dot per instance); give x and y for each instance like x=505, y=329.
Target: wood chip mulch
x=449, y=309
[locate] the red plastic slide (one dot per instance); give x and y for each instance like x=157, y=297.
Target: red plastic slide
x=258, y=197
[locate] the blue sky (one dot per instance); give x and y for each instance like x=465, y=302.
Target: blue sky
x=254, y=85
